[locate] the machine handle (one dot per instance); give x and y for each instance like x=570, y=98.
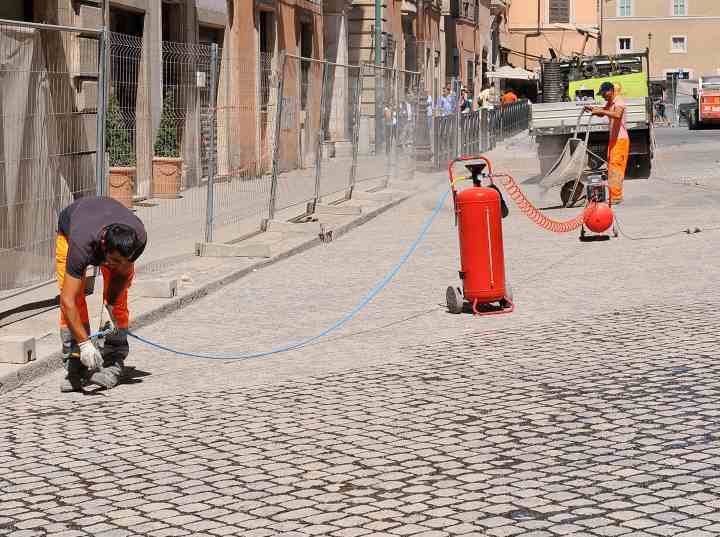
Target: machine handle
x=462, y=158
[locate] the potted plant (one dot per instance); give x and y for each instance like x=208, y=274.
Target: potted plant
x=121, y=157
x=167, y=164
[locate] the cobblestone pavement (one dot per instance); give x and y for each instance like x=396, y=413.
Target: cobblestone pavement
x=592, y=411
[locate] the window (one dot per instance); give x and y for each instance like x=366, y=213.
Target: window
x=679, y=8
x=624, y=44
x=625, y=8
x=678, y=44
x=559, y=12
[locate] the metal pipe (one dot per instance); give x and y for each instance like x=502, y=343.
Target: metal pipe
x=100, y=112
x=212, y=142
x=378, y=76
x=537, y=33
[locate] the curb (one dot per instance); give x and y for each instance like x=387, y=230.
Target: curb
x=48, y=364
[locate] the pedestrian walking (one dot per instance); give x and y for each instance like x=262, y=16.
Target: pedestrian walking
x=619, y=143
x=464, y=103
x=101, y=232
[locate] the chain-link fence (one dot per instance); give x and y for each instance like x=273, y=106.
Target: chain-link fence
x=49, y=79
x=479, y=130
x=200, y=144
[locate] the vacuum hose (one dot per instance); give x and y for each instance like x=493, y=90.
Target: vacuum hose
x=533, y=213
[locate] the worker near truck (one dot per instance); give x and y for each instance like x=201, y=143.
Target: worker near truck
x=101, y=232
x=619, y=142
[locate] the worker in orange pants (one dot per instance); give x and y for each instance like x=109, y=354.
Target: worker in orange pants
x=619, y=144
x=618, y=154
x=99, y=232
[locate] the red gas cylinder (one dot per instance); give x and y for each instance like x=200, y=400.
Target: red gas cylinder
x=482, y=258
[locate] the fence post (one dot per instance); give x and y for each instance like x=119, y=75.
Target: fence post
x=101, y=187
x=320, y=137
x=357, y=118
x=458, y=133
x=276, y=140
x=212, y=145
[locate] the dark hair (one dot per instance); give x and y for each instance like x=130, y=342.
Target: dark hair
x=123, y=240
x=605, y=87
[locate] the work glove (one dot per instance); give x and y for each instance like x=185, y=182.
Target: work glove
x=90, y=356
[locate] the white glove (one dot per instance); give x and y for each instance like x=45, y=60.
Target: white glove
x=90, y=356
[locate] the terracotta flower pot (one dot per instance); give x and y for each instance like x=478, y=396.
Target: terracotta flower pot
x=121, y=183
x=166, y=177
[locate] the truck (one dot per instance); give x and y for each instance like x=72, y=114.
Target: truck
x=568, y=85
x=705, y=110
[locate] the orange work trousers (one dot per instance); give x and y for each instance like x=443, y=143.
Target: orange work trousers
x=618, y=153
x=120, y=308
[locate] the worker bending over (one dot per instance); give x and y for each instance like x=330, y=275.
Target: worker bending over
x=100, y=232
x=619, y=143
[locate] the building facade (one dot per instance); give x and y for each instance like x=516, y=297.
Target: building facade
x=680, y=34
x=543, y=28
x=468, y=42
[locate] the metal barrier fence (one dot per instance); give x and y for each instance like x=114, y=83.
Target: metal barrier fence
x=478, y=131
x=196, y=122
x=340, y=127
x=201, y=145
x=49, y=110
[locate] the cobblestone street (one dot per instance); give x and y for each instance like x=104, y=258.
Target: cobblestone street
x=591, y=411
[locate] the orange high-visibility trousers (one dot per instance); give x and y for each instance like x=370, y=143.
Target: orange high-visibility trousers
x=618, y=154
x=120, y=308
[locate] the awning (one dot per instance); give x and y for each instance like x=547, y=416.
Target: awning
x=514, y=73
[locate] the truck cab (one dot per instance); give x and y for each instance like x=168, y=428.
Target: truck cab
x=707, y=108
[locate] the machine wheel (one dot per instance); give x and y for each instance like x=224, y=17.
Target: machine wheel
x=566, y=196
x=454, y=300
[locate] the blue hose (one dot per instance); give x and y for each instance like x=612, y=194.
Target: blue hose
x=337, y=324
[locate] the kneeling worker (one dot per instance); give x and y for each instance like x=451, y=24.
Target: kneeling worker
x=619, y=143
x=100, y=232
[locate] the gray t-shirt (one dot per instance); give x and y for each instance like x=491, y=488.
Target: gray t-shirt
x=83, y=222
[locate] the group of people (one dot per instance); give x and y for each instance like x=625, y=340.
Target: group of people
x=448, y=102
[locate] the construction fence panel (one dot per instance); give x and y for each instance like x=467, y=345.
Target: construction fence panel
x=377, y=127
x=298, y=132
x=49, y=96
x=154, y=126
x=192, y=128
x=340, y=121
x=246, y=111
x=406, y=98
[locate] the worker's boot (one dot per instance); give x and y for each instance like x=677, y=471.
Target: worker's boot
x=114, y=352
x=75, y=372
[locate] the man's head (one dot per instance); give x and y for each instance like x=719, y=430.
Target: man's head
x=607, y=91
x=121, y=246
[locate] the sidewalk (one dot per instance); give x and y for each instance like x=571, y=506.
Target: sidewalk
x=199, y=276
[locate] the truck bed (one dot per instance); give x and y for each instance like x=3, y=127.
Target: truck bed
x=561, y=118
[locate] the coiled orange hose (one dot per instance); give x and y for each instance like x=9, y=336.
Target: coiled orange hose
x=533, y=213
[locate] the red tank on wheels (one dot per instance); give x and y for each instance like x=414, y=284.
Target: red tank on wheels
x=479, y=211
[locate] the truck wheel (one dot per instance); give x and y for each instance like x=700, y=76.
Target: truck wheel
x=643, y=167
x=566, y=193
